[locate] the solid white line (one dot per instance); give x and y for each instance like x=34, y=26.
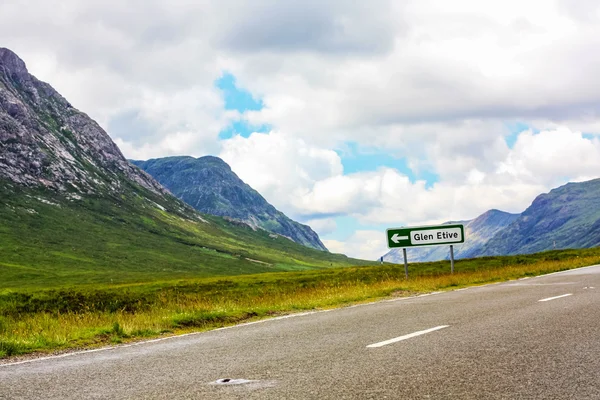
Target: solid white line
x=410, y=335
x=123, y=346
x=557, y=297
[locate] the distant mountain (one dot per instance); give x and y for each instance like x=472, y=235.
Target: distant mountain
x=567, y=217
x=477, y=233
x=74, y=210
x=209, y=185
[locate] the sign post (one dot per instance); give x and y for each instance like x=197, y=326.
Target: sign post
x=426, y=236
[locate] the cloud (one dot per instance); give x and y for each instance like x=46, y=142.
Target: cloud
x=309, y=183
x=551, y=157
x=363, y=244
x=450, y=66
x=280, y=166
x=325, y=27
x=328, y=72
x=322, y=226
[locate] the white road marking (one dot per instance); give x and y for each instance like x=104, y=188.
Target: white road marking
x=540, y=284
x=410, y=335
x=557, y=297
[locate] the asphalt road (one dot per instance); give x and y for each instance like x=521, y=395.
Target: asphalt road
x=491, y=342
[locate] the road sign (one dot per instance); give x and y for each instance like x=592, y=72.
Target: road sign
x=425, y=236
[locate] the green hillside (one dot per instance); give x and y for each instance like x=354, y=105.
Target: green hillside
x=48, y=240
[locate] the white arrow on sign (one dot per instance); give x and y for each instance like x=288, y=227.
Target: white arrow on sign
x=395, y=238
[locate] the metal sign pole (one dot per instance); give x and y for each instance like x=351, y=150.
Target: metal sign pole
x=452, y=259
x=405, y=264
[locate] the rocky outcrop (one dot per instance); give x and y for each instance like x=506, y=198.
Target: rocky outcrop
x=45, y=141
x=209, y=185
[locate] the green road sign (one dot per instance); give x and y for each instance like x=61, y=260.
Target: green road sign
x=425, y=236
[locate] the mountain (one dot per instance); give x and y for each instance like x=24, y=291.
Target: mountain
x=45, y=141
x=566, y=217
x=481, y=229
x=210, y=186
x=477, y=233
x=74, y=210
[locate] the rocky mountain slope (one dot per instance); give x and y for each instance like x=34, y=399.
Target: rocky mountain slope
x=46, y=141
x=74, y=210
x=567, y=217
x=478, y=232
x=209, y=185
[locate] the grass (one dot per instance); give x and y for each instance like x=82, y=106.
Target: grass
x=83, y=316
x=49, y=241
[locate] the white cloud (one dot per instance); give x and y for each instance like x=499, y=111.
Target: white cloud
x=471, y=61
x=550, y=157
x=327, y=72
x=323, y=226
x=367, y=245
x=281, y=167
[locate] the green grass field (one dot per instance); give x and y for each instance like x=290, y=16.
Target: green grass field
x=72, y=317
x=48, y=241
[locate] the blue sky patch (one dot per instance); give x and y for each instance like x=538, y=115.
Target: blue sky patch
x=515, y=129
x=242, y=128
x=237, y=98
x=356, y=159
x=589, y=136
x=241, y=100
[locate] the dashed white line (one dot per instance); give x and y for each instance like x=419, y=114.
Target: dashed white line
x=557, y=297
x=410, y=335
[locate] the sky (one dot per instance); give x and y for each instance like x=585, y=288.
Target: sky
x=352, y=117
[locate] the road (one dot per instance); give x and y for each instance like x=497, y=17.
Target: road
x=536, y=338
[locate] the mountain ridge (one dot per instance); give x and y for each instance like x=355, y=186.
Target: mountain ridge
x=210, y=186
x=46, y=141
x=566, y=217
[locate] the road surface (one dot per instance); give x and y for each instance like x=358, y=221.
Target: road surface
x=536, y=338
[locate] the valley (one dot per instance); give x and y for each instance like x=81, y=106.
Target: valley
x=94, y=251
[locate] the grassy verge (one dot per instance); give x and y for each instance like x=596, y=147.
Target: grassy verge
x=78, y=317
